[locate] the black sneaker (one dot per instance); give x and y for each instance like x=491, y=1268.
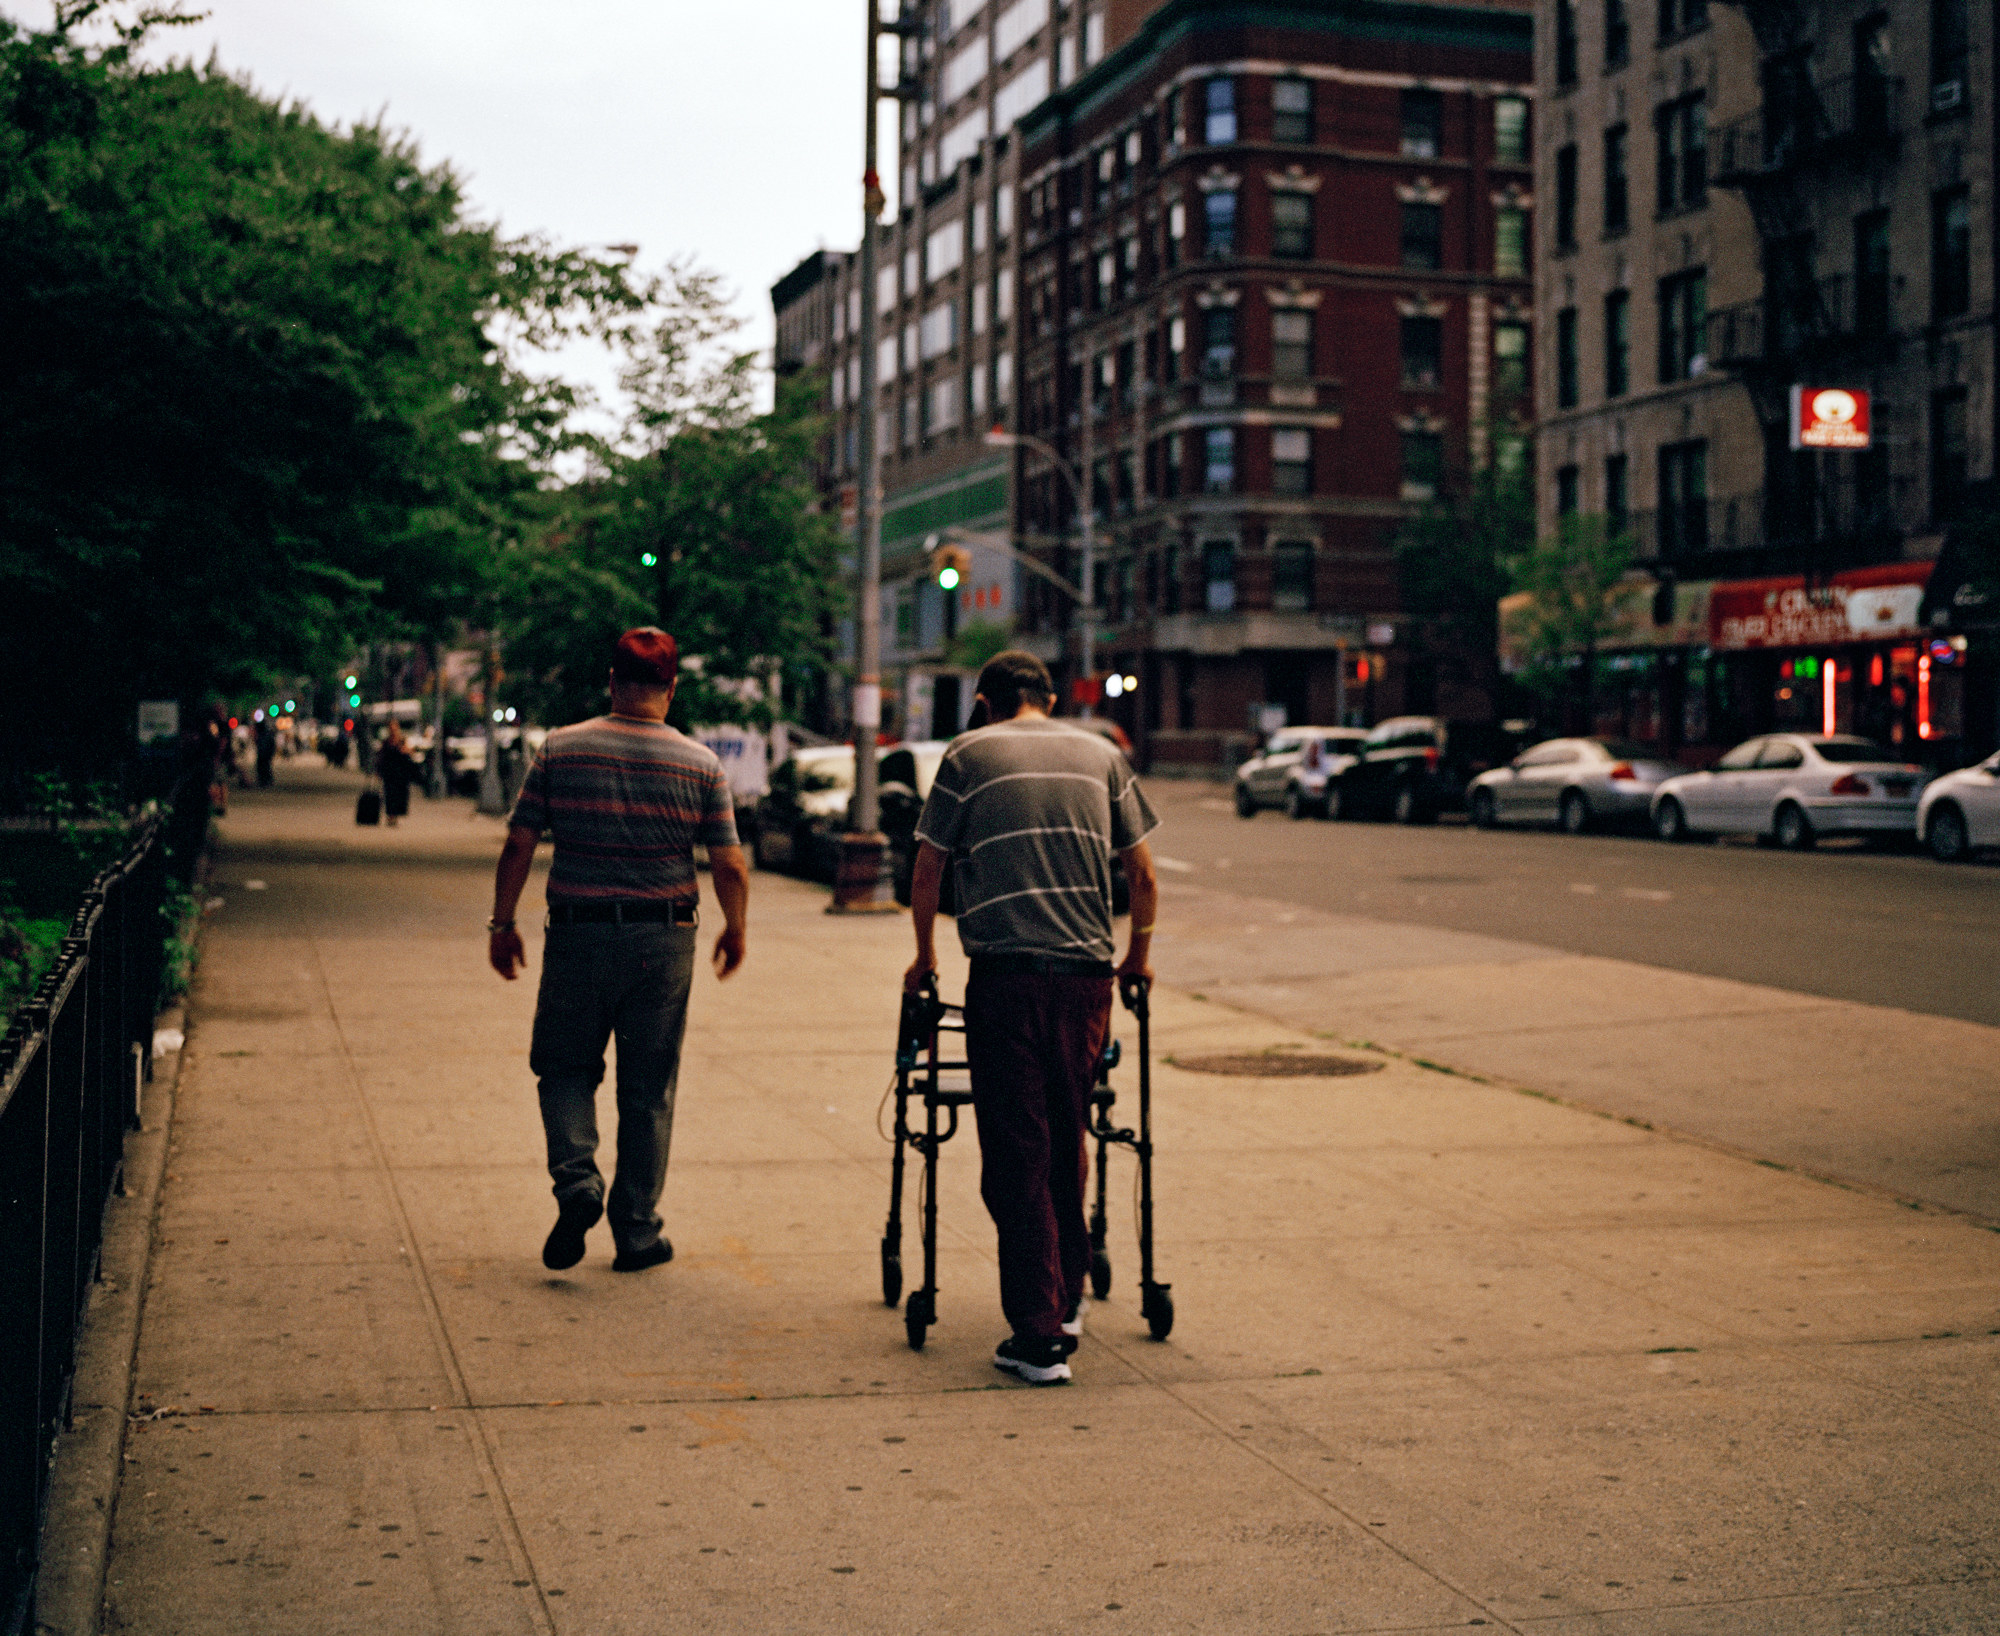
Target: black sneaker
x=653, y=1255
x=1038, y=1359
x=563, y=1248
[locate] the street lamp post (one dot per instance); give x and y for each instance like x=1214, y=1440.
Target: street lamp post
x=1087, y=603
x=858, y=886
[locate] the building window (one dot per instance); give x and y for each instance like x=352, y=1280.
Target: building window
x=1950, y=55
x=1871, y=273
x=1218, y=569
x=1949, y=455
x=1873, y=85
x=1566, y=370
x=1219, y=475
x=1510, y=130
x=1176, y=232
x=1566, y=196
x=1423, y=354
x=1291, y=460
x=1683, y=325
x=1617, y=36
x=1617, y=492
x=1219, y=219
x=1682, y=172
x=1423, y=464
x=1176, y=120
x=1291, y=345
x=1510, y=361
x=1176, y=347
x=1683, y=499
x=1219, y=122
x=1565, y=42
x=1291, y=110
x=1423, y=124
x=1292, y=576
x=1678, y=17
x=1951, y=253
x=1292, y=225
x=1510, y=242
x=1170, y=459
x=1617, y=343
x=1423, y=236
x=1566, y=491
x=1617, y=186
x=1170, y=580
x=1218, y=343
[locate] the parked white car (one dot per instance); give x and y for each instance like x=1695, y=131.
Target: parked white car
x=1795, y=788
x=1292, y=769
x=1960, y=812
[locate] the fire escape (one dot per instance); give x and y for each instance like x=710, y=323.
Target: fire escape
x=1813, y=145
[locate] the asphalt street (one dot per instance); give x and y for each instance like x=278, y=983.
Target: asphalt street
x=1841, y=922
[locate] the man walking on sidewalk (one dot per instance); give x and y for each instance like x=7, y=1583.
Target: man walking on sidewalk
x=628, y=799
x=1031, y=810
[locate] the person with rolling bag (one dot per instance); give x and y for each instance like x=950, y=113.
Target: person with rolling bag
x=1029, y=812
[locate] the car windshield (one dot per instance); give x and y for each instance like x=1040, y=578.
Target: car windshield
x=1851, y=749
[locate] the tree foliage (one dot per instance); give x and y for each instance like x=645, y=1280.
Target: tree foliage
x=1572, y=581
x=260, y=382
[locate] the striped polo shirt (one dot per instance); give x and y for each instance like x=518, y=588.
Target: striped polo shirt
x=1031, y=811
x=627, y=802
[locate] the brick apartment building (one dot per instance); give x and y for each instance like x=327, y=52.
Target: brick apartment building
x=1739, y=200
x=1273, y=293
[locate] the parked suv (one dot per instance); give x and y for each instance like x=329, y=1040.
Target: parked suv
x=1411, y=768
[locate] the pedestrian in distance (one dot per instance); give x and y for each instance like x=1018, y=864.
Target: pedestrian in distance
x=1028, y=812
x=266, y=737
x=627, y=799
x=396, y=767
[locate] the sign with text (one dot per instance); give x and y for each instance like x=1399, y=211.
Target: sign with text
x=1829, y=417
x=1861, y=605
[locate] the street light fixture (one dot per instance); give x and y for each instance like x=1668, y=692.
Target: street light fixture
x=1000, y=438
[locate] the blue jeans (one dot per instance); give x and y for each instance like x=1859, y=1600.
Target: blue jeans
x=599, y=982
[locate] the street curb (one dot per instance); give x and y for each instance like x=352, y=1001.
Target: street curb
x=83, y=1489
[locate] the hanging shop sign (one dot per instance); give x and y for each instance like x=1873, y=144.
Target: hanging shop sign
x=1829, y=417
x=1861, y=605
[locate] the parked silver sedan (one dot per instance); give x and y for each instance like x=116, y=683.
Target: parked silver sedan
x=1794, y=788
x=1266, y=779
x=1579, y=783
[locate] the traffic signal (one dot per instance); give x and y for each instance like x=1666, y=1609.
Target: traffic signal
x=950, y=563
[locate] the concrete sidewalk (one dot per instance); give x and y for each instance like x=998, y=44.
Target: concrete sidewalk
x=1448, y=1355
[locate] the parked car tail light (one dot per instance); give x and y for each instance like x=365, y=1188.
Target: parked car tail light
x=1622, y=771
x=1851, y=784
x=1431, y=759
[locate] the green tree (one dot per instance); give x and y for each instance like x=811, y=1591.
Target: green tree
x=1573, y=581
x=261, y=390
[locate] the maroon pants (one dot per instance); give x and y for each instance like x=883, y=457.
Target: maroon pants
x=1033, y=1042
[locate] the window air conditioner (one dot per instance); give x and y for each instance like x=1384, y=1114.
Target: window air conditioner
x=1947, y=95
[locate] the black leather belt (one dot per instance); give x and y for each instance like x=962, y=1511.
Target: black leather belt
x=624, y=914
x=1037, y=965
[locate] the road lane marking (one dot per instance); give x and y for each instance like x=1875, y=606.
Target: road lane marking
x=1584, y=886
x=1177, y=865
x=1648, y=894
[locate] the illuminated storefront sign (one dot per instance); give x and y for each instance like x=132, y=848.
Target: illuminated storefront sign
x=1862, y=605
x=1829, y=417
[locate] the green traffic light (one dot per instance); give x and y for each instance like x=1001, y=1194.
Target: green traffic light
x=354, y=699
x=353, y=681
x=948, y=579
x=648, y=560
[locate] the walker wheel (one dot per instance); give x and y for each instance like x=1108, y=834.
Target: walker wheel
x=1159, y=1312
x=892, y=1275
x=917, y=1317
x=1100, y=1275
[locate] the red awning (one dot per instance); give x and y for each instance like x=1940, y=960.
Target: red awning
x=1860, y=605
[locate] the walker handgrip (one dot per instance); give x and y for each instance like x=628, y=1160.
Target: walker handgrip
x=1135, y=992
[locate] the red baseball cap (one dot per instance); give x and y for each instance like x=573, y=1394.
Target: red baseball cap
x=646, y=655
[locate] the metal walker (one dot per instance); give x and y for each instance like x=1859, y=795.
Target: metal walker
x=943, y=1084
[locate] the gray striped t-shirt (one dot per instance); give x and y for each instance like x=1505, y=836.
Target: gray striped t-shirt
x=1031, y=811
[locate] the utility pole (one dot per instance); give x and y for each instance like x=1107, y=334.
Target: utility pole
x=1087, y=495
x=860, y=885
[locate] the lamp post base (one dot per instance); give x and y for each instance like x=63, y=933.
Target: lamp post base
x=861, y=884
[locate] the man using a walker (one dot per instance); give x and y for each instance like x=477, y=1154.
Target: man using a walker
x=1029, y=811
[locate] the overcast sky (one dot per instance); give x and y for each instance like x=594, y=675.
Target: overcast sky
x=727, y=131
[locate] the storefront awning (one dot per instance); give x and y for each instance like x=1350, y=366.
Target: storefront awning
x=1861, y=605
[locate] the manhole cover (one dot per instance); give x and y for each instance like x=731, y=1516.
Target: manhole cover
x=1277, y=1065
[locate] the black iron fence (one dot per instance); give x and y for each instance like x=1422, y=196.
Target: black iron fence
x=73, y=1063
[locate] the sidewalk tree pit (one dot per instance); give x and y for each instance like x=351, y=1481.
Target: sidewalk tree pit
x=1277, y=1065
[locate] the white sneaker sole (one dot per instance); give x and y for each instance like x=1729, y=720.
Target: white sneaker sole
x=1035, y=1374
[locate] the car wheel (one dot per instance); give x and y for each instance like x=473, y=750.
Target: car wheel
x=1670, y=821
x=1334, y=807
x=1792, y=829
x=1485, y=815
x=1409, y=807
x=1946, y=836
x=1575, y=813
x=1246, y=803
x=1296, y=804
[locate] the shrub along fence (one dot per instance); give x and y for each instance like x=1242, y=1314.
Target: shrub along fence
x=73, y=1064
